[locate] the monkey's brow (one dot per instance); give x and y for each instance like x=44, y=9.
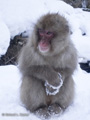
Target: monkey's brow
x=40, y=29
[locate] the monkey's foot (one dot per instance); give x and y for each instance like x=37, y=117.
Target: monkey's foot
x=53, y=90
x=55, y=109
x=43, y=112
x=48, y=111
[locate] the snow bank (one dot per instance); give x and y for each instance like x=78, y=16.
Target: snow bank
x=4, y=38
x=20, y=15
x=80, y=27
x=11, y=107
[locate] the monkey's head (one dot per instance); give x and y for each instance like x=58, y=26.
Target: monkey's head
x=51, y=34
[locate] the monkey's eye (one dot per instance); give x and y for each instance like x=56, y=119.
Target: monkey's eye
x=46, y=33
x=49, y=33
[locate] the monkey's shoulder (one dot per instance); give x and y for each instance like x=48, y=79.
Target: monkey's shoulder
x=62, y=60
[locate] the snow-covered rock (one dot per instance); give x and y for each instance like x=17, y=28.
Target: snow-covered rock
x=4, y=38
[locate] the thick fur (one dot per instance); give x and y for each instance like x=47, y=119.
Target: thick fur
x=36, y=67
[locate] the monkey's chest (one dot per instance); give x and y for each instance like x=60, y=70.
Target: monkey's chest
x=55, y=63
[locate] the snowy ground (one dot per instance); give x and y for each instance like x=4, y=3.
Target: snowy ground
x=17, y=16
x=11, y=107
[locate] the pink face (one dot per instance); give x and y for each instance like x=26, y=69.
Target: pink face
x=45, y=40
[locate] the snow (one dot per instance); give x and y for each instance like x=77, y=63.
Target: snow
x=17, y=16
x=4, y=38
x=20, y=15
x=79, y=22
x=10, y=80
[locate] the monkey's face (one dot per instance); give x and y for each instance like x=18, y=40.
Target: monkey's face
x=45, y=39
x=52, y=31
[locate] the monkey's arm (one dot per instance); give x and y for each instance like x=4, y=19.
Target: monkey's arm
x=65, y=72
x=52, y=79
x=45, y=73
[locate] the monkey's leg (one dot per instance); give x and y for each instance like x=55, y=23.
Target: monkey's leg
x=54, y=109
x=32, y=93
x=66, y=94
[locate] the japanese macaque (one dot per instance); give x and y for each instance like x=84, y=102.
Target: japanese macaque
x=47, y=63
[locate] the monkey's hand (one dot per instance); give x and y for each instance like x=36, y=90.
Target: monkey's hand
x=51, y=89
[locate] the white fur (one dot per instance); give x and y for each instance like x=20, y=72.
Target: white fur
x=43, y=51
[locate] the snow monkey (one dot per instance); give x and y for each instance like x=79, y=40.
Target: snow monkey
x=47, y=63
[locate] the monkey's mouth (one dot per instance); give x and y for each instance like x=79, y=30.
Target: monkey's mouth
x=44, y=46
